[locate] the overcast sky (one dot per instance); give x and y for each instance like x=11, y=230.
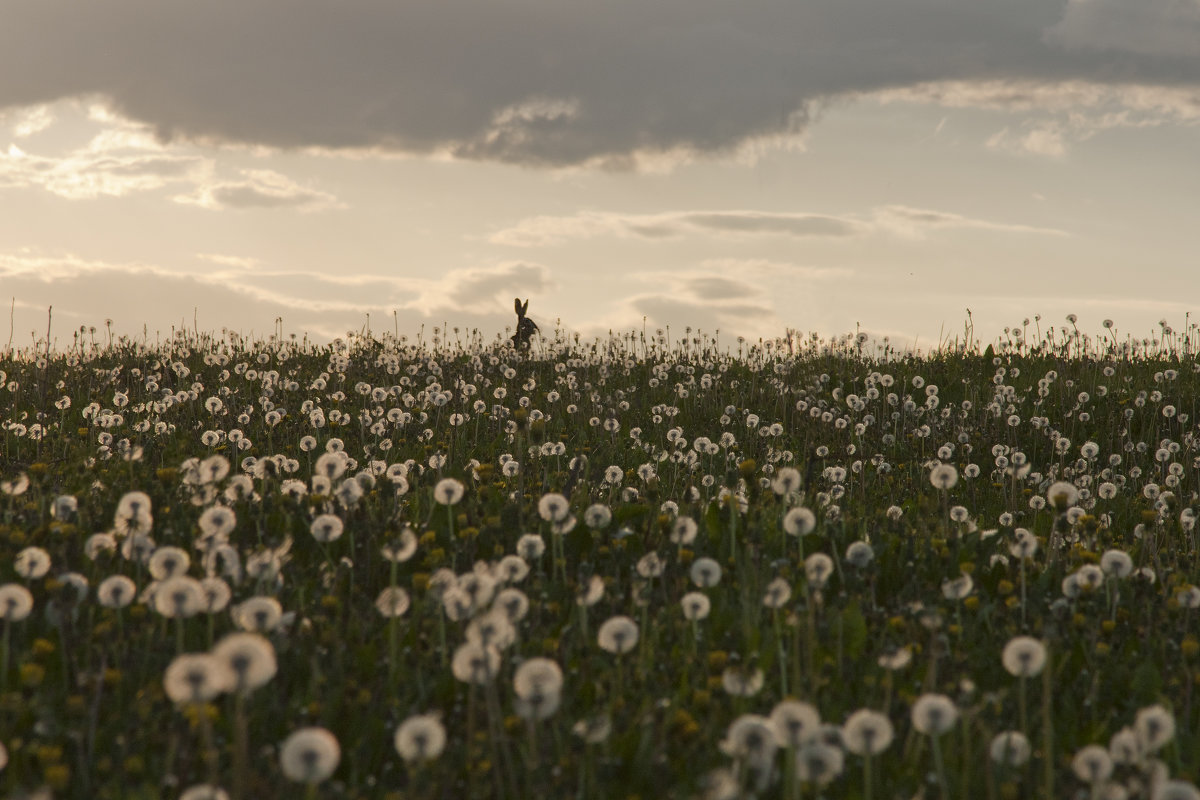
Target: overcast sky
x=746, y=166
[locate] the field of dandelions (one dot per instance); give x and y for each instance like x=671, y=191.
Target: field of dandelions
x=625, y=568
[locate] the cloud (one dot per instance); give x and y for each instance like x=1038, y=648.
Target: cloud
x=1146, y=27
x=258, y=188
x=548, y=230
x=89, y=173
x=31, y=121
x=87, y=291
x=916, y=222
x=1058, y=115
x=544, y=231
x=613, y=84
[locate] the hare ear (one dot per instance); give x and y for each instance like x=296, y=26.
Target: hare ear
x=525, y=308
x=517, y=306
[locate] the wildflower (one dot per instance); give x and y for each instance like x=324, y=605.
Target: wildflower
x=179, y=597
x=650, y=565
x=943, y=476
x=249, y=657
x=683, y=531
x=420, y=738
x=819, y=763
x=1089, y=577
x=787, y=480
x=1092, y=764
x=32, y=563
x=327, y=527
x=115, y=591
x=99, y=543
x=204, y=791
x=1188, y=597
x=258, y=614
x=867, y=732
x=15, y=602
x=742, y=681
x=695, y=606
x=706, y=572
x=592, y=592
x=217, y=522
x=195, y=678
x=539, y=682
x=750, y=738
x=1024, y=656
x=860, y=554
x=618, y=635
x=817, y=569
x=16, y=486
x=168, y=562
x=777, y=593
x=1116, y=563
x=1155, y=726
x=1175, y=790
x=934, y=714
x=794, y=722
x=392, y=602
x=1125, y=747
x=896, y=660
x=799, y=521
x=448, y=491
x=1062, y=495
x=401, y=550
x=553, y=507
x=1010, y=748
x=593, y=730
x=216, y=595
x=310, y=755
x=957, y=588
x=513, y=602
x=493, y=629
x=597, y=516
x=474, y=663
x=531, y=546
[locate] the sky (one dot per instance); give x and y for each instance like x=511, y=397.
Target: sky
x=737, y=167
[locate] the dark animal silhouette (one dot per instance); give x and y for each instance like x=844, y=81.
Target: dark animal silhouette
x=525, y=326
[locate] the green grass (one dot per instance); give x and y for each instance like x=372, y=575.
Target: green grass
x=83, y=708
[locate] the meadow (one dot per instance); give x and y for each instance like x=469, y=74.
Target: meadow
x=639, y=567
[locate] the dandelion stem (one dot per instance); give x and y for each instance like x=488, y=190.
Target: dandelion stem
x=1047, y=728
x=940, y=766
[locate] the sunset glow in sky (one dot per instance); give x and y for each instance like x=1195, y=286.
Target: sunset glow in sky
x=748, y=166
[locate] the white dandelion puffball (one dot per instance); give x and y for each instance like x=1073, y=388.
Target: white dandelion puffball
x=1092, y=764
x=1023, y=656
x=448, y=491
x=392, y=602
x=16, y=602
x=934, y=714
x=327, y=527
x=867, y=732
x=250, y=658
x=695, y=606
x=32, y=563
x=795, y=722
x=195, y=678
x=618, y=635
x=1010, y=748
x=943, y=476
x=309, y=755
x=115, y=591
x=420, y=738
x=553, y=507
x=799, y=521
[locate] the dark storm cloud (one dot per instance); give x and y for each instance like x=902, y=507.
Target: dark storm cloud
x=543, y=82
